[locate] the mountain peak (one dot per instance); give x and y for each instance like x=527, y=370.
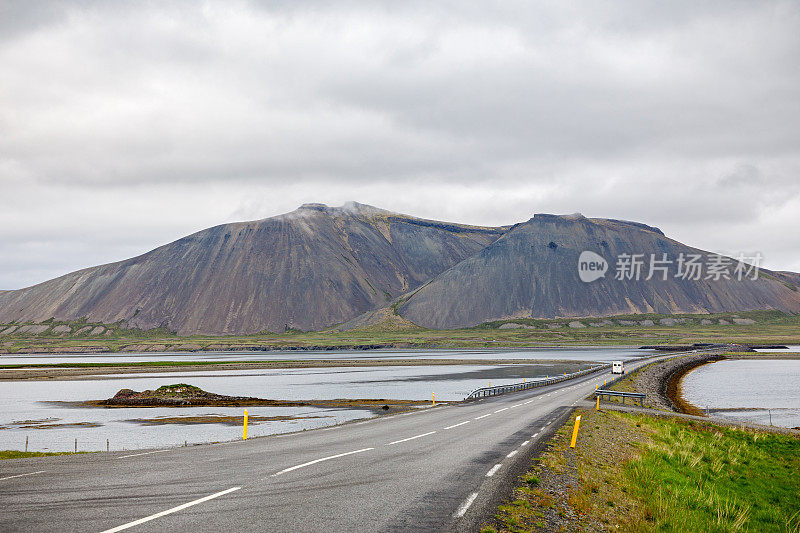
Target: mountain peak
x=348, y=208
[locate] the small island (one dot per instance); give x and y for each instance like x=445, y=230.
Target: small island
x=184, y=395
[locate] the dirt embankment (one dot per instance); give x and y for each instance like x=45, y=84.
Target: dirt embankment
x=661, y=381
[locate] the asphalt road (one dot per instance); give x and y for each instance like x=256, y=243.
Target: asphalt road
x=438, y=469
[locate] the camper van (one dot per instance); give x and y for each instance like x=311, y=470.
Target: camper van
x=617, y=368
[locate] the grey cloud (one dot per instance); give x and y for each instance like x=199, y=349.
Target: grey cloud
x=128, y=124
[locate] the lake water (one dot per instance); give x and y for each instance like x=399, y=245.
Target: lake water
x=573, y=354
x=751, y=391
x=793, y=348
x=25, y=408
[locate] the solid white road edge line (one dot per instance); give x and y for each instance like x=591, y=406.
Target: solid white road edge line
x=23, y=475
x=456, y=425
x=170, y=511
x=143, y=453
x=494, y=469
x=315, y=461
x=464, y=506
x=411, y=438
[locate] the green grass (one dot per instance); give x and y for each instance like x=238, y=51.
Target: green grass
x=631, y=472
x=13, y=454
x=694, y=478
x=770, y=327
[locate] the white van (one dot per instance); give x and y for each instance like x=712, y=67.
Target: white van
x=617, y=368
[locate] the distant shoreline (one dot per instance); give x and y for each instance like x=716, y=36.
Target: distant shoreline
x=70, y=371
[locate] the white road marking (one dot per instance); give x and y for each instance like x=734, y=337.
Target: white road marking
x=542, y=428
x=493, y=470
x=525, y=443
x=464, y=506
x=517, y=405
x=456, y=425
x=483, y=416
x=315, y=461
x=503, y=409
x=143, y=453
x=170, y=511
x=412, y=438
x=23, y=475
x=512, y=453
x=529, y=401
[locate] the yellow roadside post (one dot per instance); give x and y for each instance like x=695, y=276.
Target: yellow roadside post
x=434, y=400
x=597, y=407
x=575, y=431
x=244, y=436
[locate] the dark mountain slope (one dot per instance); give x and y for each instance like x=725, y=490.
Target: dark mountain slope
x=532, y=271
x=308, y=269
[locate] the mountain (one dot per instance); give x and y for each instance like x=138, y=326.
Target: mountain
x=532, y=271
x=357, y=265
x=308, y=269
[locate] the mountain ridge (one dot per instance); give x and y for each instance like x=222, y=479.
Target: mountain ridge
x=319, y=266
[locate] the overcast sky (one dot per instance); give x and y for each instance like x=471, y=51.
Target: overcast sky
x=124, y=126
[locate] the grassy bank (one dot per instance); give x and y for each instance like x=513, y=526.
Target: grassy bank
x=763, y=327
x=14, y=454
x=638, y=473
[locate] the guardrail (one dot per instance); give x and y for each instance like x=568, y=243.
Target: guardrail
x=620, y=394
x=485, y=392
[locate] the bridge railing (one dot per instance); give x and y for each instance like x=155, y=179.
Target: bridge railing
x=621, y=394
x=485, y=392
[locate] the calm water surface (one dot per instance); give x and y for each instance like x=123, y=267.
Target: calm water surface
x=575, y=354
x=27, y=403
x=745, y=390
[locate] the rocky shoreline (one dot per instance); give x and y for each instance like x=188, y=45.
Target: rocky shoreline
x=184, y=395
x=660, y=381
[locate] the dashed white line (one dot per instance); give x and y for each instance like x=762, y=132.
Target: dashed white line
x=500, y=410
x=529, y=401
x=512, y=453
x=23, y=475
x=143, y=453
x=483, y=416
x=525, y=443
x=493, y=470
x=412, y=438
x=456, y=425
x=464, y=506
x=516, y=405
x=315, y=461
x=170, y=511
